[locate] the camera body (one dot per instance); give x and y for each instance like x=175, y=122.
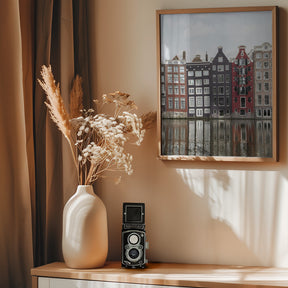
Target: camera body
x=133, y=236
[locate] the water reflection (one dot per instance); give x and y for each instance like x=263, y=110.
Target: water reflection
x=244, y=138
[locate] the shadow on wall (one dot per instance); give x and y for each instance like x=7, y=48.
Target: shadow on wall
x=253, y=204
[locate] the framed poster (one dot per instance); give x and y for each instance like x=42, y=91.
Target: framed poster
x=217, y=84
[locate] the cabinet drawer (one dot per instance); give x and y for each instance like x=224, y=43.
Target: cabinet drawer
x=44, y=282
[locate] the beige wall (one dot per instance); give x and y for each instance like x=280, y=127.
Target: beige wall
x=220, y=213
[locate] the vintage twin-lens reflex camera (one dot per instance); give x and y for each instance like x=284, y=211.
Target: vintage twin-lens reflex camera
x=134, y=243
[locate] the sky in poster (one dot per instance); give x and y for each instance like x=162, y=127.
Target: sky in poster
x=204, y=32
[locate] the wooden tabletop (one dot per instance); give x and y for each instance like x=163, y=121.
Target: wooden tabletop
x=185, y=275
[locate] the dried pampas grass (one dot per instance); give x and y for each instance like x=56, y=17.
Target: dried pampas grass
x=76, y=98
x=55, y=102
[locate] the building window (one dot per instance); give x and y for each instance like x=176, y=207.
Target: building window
x=266, y=65
x=182, y=69
x=242, y=61
x=170, y=103
x=170, y=90
x=205, y=73
x=258, y=55
x=207, y=110
x=176, y=90
x=266, y=86
x=242, y=71
x=221, y=90
x=191, y=82
x=182, y=78
x=220, y=68
x=198, y=82
x=190, y=73
x=227, y=67
x=176, y=78
x=183, y=103
x=191, y=91
x=163, y=101
x=227, y=101
x=259, y=112
x=258, y=64
x=182, y=90
x=206, y=90
x=258, y=75
x=175, y=69
x=198, y=73
x=227, y=78
x=199, y=101
x=243, y=102
x=266, y=99
x=176, y=103
x=266, y=75
x=214, y=67
x=258, y=87
x=214, y=78
x=206, y=101
x=220, y=78
x=214, y=90
x=243, y=91
x=259, y=99
x=242, y=80
x=221, y=101
x=191, y=111
x=199, y=112
x=227, y=90
x=206, y=81
x=269, y=112
x=191, y=102
x=162, y=88
x=169, y=78
x=198, y=91
x=266, y=55
x=162, y=69
x=169, y=69
x=162, y=78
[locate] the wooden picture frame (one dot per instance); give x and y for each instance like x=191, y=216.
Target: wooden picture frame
x=217, y=84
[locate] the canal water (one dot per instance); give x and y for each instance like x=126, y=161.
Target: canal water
x=243, y=138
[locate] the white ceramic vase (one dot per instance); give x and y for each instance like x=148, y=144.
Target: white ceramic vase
x=85, y=233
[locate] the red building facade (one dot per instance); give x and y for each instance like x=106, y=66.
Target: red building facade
x=175, y=88
x=242, y=86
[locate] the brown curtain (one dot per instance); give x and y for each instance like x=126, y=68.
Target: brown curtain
x=60, y=28
x=37, y=175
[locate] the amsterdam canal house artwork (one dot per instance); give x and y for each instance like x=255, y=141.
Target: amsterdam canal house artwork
x=217, y=84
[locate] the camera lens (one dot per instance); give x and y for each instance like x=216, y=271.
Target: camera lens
x=133, y=239
x=133, y=253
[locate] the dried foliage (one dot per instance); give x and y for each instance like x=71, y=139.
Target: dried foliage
x=97, y=140
x=149, y=119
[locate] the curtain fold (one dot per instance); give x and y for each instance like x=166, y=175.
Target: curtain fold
x=37, y=173
x=15, y=146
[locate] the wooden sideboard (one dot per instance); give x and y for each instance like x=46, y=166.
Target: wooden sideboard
x=159, y=275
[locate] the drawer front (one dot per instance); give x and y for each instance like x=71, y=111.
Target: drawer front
x=44, y=282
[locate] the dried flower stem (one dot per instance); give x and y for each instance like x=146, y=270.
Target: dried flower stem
x=56, y=106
